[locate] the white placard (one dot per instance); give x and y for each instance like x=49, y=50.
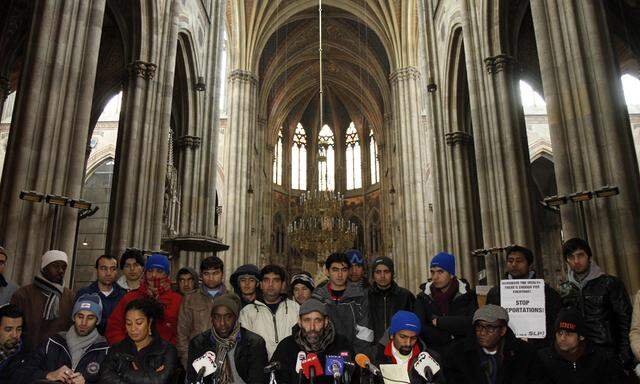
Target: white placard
x=524, y=301
x=394, y=373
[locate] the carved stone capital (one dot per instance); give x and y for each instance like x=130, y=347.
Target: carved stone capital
x=498, y=63
x=192, y=142
x=458, y=137
x=402, y=74
x=242, y=75
x=142, y=69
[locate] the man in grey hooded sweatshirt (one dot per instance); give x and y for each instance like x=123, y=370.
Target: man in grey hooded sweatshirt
x=601, y=299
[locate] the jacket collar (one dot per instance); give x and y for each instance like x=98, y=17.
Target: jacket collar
x=462, y=287
x=414, y=353
x=392, y=288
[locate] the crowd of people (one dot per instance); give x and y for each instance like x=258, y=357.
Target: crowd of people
x=358, y=325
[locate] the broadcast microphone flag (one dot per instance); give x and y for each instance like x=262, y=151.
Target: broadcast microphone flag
x=311, y=366
x=334, y=366
x=206, y=361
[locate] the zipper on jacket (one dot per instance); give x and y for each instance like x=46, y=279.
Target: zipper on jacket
x=574, y=366
x=275, y=326
x=385, y=312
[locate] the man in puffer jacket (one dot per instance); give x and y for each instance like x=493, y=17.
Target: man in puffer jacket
x=347, y=304
x=68, y=355
x=446, y=304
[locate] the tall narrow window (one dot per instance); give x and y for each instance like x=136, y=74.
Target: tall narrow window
x=299, y=159
x=326, y=159
x=354, y=161
x=375, y=165
x=277, y=160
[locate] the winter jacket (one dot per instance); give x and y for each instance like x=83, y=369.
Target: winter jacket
x=287, y=354
x=259, y=319
x=384, y=355
x=54, y=353
x=595, y=366
x=383, y=304
x=451, y=326
x=552, y=305
x=350, y=314
x=518, y=364
x=167, y=326
x=108, y=302
x=249, y=356
x=7, y=291
x=605, y=306
x=32, y=300
x=10, y=365
x=193, y=319
x=154, y=364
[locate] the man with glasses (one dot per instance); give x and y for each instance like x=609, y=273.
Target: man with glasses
x=494, y=355
x=105, y=287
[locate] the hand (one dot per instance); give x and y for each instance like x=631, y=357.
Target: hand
x=63, y=374
x=77, y=378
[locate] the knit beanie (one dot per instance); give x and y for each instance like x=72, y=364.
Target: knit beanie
x=569, y=320
x=404, y=321
x=355, y=257
x=88, y=302
x=445, y=261
x=303, y=278
x=52, y=256
x=229, y=300
x=159, y=261
x=313, y=305
x=382, y=260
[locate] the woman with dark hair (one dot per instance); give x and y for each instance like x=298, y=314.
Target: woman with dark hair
x=142, y=357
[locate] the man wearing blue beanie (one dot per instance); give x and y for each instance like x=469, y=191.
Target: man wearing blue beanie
x=403, y=347
x=445, y=304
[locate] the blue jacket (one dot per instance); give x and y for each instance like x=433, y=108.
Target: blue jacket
x=108, y=302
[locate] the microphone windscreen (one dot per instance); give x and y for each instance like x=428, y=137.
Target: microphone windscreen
x=362, y=360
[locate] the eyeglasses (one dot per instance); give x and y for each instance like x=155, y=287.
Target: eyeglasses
x=490, y=329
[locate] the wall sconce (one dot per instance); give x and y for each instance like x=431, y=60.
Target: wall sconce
x=31, y=196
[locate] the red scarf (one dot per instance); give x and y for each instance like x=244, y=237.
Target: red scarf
x=442, y=299
x=155, y=287
x=414, y=353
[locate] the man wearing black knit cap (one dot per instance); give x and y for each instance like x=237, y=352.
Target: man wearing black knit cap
x=246, y=283
x=386, y=297
x=302, y=286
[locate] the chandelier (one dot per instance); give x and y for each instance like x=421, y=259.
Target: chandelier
x=319, y=227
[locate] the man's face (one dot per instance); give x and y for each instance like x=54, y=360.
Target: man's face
x=85, y=322
x=248, y=285
x=271, y=286
x=517, y=265
x=132, y=270
x=312, y=325
x=155, y=273
x=55, y=271
x=301, y=293
x=212, y=278
x=223, y=320
x=489, y=334
x=356, y=273
x=567, y=341
x=107, y=271
x=382, y=276
x=338, y=274
x=10, y=331
x=3, y=262
x=578, y=261
x=185, y=283
x=440, y=278
x=404, y=341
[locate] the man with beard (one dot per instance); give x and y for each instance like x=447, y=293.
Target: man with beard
x=74, y=356
x=242, y=352
x=46, y=303
x=314, y=334
x=156, y=285
x=11, y=351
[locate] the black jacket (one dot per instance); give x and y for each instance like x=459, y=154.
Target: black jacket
x=156, y=364
x=383, y=356
x=54, y=353
x=606, y=309
x=552, y=304
x=383, y=304
x=519, y=363
x=287, y=353
x=250, y=356
x=9, y=367
x=595, y=366
x=451, y=326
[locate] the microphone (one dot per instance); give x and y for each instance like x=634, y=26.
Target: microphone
x=200, y=375
x=205, y=365
x=426, y=366
x=272, y=367
x=301, y=357
x=311, y=366
x=364, y=362
x=334, y=366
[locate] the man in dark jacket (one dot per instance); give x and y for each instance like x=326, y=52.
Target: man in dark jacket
x=445, y=305
x=519, y=266
x=572, y=359
x=404, y=347
x=601, y=299
x=314, y=335
x=105, y=287
x=74, y=356
x=385, y=296
x=12, y=354
x=494, y=355
x=245, y=281
x=347, y=304
x=245, y=352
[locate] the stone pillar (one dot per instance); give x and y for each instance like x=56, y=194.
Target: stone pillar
x=46, y=148
x=5, y=89
x=236, y=199
x=589, y=125
x=413, y=161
